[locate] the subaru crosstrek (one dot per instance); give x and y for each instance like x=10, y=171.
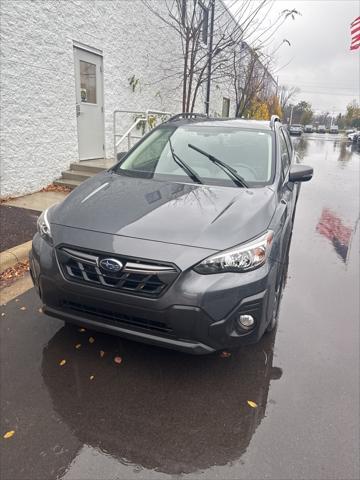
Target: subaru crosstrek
x=182, y=243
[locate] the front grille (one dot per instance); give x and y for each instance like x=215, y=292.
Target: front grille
x=136, y=276
x=125, y=320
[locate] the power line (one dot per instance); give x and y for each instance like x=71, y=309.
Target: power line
x=326, y=85
x=321, y=92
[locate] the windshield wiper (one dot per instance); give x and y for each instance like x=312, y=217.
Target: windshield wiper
x=187, y=169
x=231, y=172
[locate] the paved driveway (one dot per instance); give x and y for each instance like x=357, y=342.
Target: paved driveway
x=161, y=413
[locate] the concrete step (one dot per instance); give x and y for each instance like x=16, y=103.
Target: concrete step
x=87, y=167
x=77, y=175
x=67, y=183
x=80, y=171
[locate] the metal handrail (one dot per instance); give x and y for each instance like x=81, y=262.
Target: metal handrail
x=129, y=130
x=144, y=118
x=156, y=112
x=114, y=127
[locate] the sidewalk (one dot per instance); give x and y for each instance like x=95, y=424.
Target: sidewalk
x=37, y=201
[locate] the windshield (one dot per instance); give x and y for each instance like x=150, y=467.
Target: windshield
x=248, y=152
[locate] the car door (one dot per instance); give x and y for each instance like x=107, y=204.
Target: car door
x=287, y=191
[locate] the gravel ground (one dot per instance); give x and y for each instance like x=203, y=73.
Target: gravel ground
x=18, y=225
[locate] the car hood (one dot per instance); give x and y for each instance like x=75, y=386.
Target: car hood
x=202, y=216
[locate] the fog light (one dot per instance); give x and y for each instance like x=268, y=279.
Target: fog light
x=246, y=321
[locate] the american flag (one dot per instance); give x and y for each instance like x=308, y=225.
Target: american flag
x=355, y=34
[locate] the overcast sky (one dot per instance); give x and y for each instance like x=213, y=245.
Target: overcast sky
x=321, y=63
x=319, y=60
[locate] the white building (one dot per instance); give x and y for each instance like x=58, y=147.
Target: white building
x=66, y=66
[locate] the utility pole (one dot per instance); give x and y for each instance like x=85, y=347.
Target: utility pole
x=291, y=114
x=208, y=85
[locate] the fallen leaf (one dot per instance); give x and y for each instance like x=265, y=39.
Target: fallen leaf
x=18, y=270
x=118, y=360
x=3, y=314
x=102, y=353
x=91, y=339
x=62, y=363
x=92, y=377
x=252, y=404
x=40, y=310
x=82, y=330
x=56, y=188
x=23, y=308
x=16, y=299
x=9, y=434
x=77, y=346
x=225, y=354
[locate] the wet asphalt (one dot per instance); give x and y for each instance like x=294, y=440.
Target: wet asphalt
x=162, y=414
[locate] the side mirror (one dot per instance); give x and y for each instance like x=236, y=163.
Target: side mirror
x=300, y=173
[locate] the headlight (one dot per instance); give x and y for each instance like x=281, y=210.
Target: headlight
x=238, y=259
x=43, y=226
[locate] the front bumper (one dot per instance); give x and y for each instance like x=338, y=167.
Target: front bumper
x=197, y=313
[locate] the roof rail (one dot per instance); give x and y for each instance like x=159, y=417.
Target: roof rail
x=273, y=119
x=187, y=115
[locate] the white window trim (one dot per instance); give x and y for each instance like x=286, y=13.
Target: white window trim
x=87, y=48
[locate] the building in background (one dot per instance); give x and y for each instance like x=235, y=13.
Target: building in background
x=66, y=67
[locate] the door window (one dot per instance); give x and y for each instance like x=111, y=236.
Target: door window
x=288, y=142
x=87, y=82
x=284, y=153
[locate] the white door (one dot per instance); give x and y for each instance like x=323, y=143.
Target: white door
x=89, y=104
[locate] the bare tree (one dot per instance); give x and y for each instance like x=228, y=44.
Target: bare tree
x=249, y=78
x=190, y=19
x=286, y=93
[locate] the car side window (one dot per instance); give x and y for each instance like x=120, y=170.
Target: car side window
x=288, y=142
x=284, y=154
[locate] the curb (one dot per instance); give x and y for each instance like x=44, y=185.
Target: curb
x=14, y=255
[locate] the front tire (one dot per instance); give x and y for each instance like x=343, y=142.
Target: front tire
x=278, y=293
x=276, y=307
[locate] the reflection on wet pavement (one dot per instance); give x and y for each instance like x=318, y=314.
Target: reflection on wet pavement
x=158, y=410
x=150, y=411
x=162, y=413
x=331, y=226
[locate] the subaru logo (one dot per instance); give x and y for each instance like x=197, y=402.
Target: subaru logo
x=111, y=265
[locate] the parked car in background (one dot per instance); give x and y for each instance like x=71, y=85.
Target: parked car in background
x=321, y=129
x=353, y=137
x=295, y=130
x=308, y=129
x=181, y=244
x=334, y=129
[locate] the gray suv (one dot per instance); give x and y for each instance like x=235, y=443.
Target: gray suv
x=183, y=243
